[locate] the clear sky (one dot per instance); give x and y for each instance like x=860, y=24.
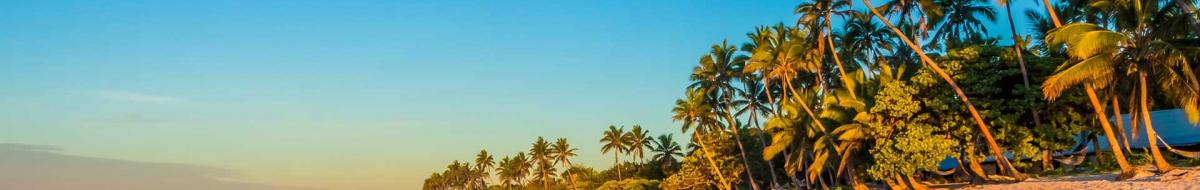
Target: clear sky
x=349, y=95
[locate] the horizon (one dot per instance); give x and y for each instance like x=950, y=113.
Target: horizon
x=347, y=95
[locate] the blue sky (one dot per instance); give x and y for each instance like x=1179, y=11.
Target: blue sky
x=350, y=95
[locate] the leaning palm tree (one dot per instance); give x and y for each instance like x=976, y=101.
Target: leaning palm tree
x=665, y=150
x=697, y=115
x=614, y=141
x=563, y=152
x=542, y=160
x=484, y=163
x=987, y=134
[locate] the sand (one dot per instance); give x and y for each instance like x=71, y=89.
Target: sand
x=1182, y=178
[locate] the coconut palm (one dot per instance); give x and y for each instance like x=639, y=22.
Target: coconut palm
x=542, y=160
x=715, y=75
x=521, y=165
x=507, y=172
x=638, y=142
x=484, y=163
x=929, y=13
x=562, y=153
x=665, y=150
x=816, y=16
x=863, y=35
x=987, y=134
x=614, y=141
x=697, y=115
x=1140, y=43
x=964, y=21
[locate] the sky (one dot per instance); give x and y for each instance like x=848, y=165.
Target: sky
x=339, y=94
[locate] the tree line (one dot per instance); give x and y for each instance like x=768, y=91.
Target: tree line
x=900, y=87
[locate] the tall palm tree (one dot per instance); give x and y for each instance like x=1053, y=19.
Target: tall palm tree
x=563, y=152
x=484, y=163
x=542, y=160
x=929, y=13
x=715, y=75
x=697, y=115
x=816, y=16
x=987, y=134
x=614, y=141
x=665, y=150
x=639, y=141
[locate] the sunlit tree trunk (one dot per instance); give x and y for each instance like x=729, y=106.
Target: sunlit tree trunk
x=1120, y=124
x=1126, y=170
x=1053, y=15
x=1159, y=162
x=987, y=134
x=836, y=58
x=741, y=149
x=708, y=156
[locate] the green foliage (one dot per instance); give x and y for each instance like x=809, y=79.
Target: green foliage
x=630, y=184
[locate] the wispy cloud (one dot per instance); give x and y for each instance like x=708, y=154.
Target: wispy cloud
x=135, y=97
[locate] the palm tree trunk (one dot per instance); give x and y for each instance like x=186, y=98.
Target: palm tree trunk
x=1049, y=9
x=617, y=163
x=708, y=156
x=1037, y=121
x=567, y=167
x=1126, y=170
x=1159, y=162
x=741, y=149
x=763, y=141
x=987, y=134
x=836, y=58
x=1120, y=124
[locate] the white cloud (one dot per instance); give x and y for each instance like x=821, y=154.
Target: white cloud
x=135, y=97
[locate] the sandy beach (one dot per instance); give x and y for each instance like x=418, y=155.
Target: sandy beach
x=1182, y=178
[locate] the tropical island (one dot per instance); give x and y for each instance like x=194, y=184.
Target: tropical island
x=909, y=94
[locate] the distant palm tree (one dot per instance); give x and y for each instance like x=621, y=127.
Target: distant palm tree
x=816, y=16
x=665, y=150
x=522, y=165
x=715, y=75
x=563, y=152
x=964, y=21
x=639, y=141
x=507, y=172
x=614, y=141
x=542, y=160
x=484, y=163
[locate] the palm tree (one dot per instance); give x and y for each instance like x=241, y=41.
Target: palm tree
x=930, y=13
x=715, y=75
x=563, y=152
x=963, y=21
x=522, y=165
x=614, y=141
x=638, y=142
x=1144, y=40
x=987, y=134
x=697, y=115
x=542, y=160
x=484, y=163
x=507, y=172
x=816, y=16
x=863, y=35
x=665, y=150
